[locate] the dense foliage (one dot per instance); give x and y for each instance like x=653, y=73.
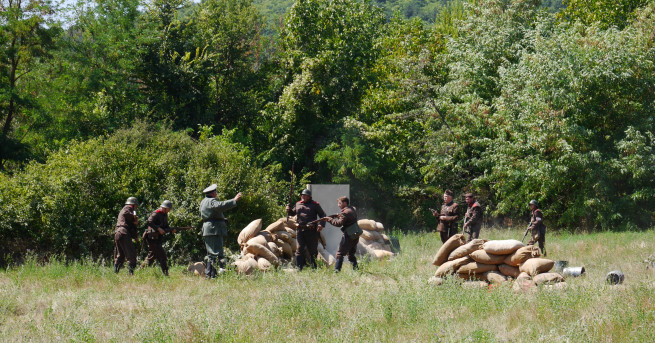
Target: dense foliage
x=511, y=99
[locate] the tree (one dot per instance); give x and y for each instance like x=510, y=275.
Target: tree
x=26, y=36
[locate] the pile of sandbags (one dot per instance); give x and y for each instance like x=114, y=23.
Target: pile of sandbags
x=373, y=241
x=274, y=246
x=494, y=262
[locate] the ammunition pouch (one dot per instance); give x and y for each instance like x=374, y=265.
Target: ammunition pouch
x=353, y=231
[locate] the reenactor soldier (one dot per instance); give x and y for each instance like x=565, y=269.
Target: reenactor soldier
x=214, y=228
x=126, y=230
x=537, y=227
x=473, y=217
x=154, y=234
x=448, y=217
x=306, y=211
x=348, y=245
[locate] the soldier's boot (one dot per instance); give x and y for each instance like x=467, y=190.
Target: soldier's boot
x=117, y=268
x=210, y=271
x=312, y=262
x=221, y=266
x=300, y=262
x=337, y=266
x=130, y=269
x=164, y=271
x=354, y=263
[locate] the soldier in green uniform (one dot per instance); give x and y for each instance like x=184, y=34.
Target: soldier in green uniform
x=214, y=228
x=124, y=233
x=537, y=227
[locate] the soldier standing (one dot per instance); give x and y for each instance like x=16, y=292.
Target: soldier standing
x=157, y=228
x=448, y=216
x=214, y=228
x=348, y=244
x=473, y=217
x=306, y=211
x=123, y=234
x=537, y=227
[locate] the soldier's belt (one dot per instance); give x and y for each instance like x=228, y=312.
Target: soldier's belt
x=214, y=220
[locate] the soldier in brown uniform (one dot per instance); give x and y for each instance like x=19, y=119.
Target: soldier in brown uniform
x=306, y=211
x=123, y=235
x=473, y=217
x=448, y=216
x=537, y=227
x=154, y=234
x=348, y=244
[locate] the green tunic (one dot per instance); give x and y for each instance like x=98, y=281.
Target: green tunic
x=214, y=226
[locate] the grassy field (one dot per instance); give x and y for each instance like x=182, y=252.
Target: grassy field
x=388, y=301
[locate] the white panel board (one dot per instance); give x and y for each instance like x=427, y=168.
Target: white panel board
x=326, y=195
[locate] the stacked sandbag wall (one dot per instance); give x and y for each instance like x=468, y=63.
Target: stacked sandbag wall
x=494, y=262
x=373, y=241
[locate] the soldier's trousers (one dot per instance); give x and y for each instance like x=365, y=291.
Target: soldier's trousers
x=214, y=246
x=124, y=250
x=541, y=241
x=347, y=247
x=156, y=253
x=474, y=234
x=445, y=236
x=307, y=239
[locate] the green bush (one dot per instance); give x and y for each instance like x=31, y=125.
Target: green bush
x=69, y=204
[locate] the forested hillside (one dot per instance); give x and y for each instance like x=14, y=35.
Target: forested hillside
x=505, y=98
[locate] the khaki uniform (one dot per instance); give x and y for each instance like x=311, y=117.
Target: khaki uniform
x=473, y=218
x=347, y=246
x=448, y=218
x=307, y=236
x=538, y=230
x=157, y=220
x=214, y=228
x=123, y=234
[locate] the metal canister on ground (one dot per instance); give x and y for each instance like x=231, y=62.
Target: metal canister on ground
x=573, y=271
x=615, y=277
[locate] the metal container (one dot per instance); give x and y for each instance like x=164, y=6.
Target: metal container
x=573, y=271
x=615, y=277
x=560, y=265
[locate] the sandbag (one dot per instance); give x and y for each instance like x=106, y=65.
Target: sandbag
x=379, y=226
x=476, y=268
x=378, y=246
x=277, y=225
x=451, y=267
x=286, y=248
x=521, y=255
x=197, y=268
x=474, y=284
x=380, y=254
x=482, y=256
x=283, y=235
x=321, y=239
x=249, y=255
x=508, y=270
x=466, y=249
x=524, y=285
x=246, y=266
x=494, y=277
x=270, y=237
x=502, y=247
x=367, y=224
x=274, y=248
x=290, y=223
x=262, y=251
x=547, y=278
x=250, y=231
x=290, y=231
x=326, y=257
x=435, y=281
x=372, y=236
x=263, y=264
x=294, y=245
x=386, y=239
x=451, y=244
x=535, y=266
x=259, y=239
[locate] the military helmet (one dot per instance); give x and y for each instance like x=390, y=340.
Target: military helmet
x=166, y=204
x=306, y=192
x=533, y=202
x=131, y=201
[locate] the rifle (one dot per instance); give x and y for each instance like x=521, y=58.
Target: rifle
x=526, y=233
x=291, y=189
x=314, y=222
x=170, y=229
x=464, y=228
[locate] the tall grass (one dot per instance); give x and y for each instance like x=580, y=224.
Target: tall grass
x=386, y=301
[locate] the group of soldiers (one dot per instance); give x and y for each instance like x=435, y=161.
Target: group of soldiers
x=310, y=216
x=449, y=217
